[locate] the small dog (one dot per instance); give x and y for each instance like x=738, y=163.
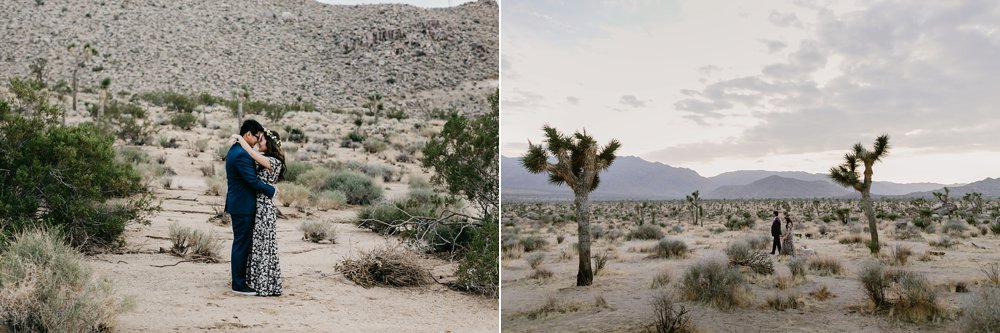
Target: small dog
x=805, y=251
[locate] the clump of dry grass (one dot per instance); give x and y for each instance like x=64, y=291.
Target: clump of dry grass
x=551, y=306
x=992, y=272
x=798, y=267
x=534, y=259
x=293, y=194
x=899, y=254
x=825, y=265
x=318, y=231
x=982, y=313
x=662, y=279
x=783, y=301
x=822, y=293
x=197, y=245
x=716, y=283
x=914, y=300
x=327, y=200
x=216, y=185
x=541, y=273
x=385, y=266
x=668, y=248
x=45, y=286
x=852, y=239
x=941, y=241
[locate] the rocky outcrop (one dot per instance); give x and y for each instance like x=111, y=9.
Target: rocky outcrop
x=331, y=55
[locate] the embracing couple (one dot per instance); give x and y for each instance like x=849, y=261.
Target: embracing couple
x=254, y=163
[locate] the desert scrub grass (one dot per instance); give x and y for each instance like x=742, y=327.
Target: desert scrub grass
x=669, y=318
x=982, y=312
x=294, y=169
x=899, y=254
x=715, y=283
x=385, y=266
x=314, y=177
x=328, y=200
x=954, y=228
x=798, y=267
x=741, y=253
x=875, y=283
x=669, y=248
x=822, y=293
x=293, y=194
x=992, y=272
x=534, y=243
x=513, y=252
x=551, y=306
x=541, y=273
x=825, y=265
x=45, y=286
x=782, y=301
x=916, y=299
x=216, y=186
x=318, y=231
x=197, y=245
x=535, y=259
x=360, y=189
x=645, y=232
x=418, y=183
x=661, y=279
x=942, y=241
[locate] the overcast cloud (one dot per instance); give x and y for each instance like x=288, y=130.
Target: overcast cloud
x=778, y=85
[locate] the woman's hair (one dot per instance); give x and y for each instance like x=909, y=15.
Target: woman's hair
x=274, y=150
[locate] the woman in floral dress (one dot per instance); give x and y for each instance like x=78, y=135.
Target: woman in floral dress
x=263, y=271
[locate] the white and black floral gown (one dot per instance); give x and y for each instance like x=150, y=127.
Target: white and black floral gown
x=263, y=272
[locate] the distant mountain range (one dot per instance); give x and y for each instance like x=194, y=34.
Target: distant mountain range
x=632, y=178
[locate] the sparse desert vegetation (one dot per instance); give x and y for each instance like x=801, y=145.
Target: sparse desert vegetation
x=716, y=274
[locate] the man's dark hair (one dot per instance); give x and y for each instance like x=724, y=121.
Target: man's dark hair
x=775, y=213
x=251, y=126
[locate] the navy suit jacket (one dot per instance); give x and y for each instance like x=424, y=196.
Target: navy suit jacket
x=241, y=176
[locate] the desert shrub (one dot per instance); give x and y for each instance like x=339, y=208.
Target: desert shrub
x=327, y=200
x=941, y=241
x=534, y=259
x=533, y=243
x=47, y=287
x=758, y=242
x=541, y=273
x=645, y=232
x=180, y=238
x=954, y=227
x=798, y=267
x=381, y=218
x=670, y=318
x=992, y=272
x=450, y=237
x=384, y=266
x=875, y=283
x=201, y=145
x=982, y=312
x=194, y=244
x=419, y=183
x=900, y=254
x=478, y=271
x=662, y=279
x=314, y=178
x=743, y=222
x=783, y=301
x=916, y=300
x=355, y=137
x=715, y=283
x=995, y=227
x=552, y=305
x=669, y=248
x=216, y=185
x=822, y=293
x=171, y=100
x=184, y=120
x=166, y=142
x=740, y=253
x=296, y=135
x=377, y=171
x=600, y=261
x=360, y=189
x=293, y=169
x=825, y=265
x=292, y=194
x=318, y=231
x=375, y=146
x=48, y=179
x=853, y=238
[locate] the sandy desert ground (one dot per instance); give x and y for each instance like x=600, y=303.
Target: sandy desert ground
x=620, y=300
x=174, y=295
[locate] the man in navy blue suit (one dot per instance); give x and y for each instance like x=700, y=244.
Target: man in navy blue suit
x=241, y=201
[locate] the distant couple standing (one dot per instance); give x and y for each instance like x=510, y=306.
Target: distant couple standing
x=251, y=174
x=782, y=241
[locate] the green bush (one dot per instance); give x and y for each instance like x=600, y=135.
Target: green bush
x=381, y=218
x=875, y=282
x=645, y=232
x=478, y=271
x=46, y=287
x=296, y=135
x=295, y=168
x=184, y=120
x=533, y=243
x=48, y=178
x=716, y=283
x=670, y=248
x=360, y=189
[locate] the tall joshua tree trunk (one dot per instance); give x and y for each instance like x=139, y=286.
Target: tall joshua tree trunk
x=579, y=160
x=846, y=175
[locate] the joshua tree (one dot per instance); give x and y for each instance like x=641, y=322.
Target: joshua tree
x=847, y=175
x=374, y=104
x=579, y=159
x=943, y=197
x=105, y=84
x=81, y=55
x=976, y=200
x=694, y=200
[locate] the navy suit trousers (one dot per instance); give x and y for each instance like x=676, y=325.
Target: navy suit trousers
x=242, y=239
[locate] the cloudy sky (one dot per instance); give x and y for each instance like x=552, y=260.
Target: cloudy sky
x=718, y=86
x=418, y=3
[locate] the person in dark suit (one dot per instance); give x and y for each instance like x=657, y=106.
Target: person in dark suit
x=241, y=202
x=776, y=233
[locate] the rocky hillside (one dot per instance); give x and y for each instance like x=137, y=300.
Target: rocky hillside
x=330, y=55
x=777, y=187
